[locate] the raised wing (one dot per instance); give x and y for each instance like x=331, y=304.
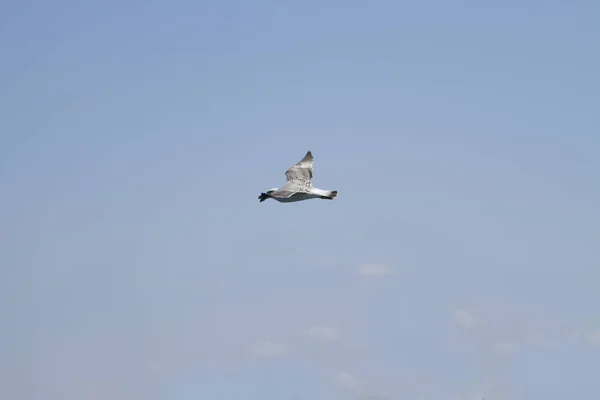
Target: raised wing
x=301, y=174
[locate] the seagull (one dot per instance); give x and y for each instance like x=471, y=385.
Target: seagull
x=299, y=185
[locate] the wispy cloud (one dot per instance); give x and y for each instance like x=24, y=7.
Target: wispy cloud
x=506, y=348
x=593, y=338
x=579, y=337
x=323, y=332
x=541, y=340
x=573, y=336
x=476, y=396
x=154, y=368
x=374, y=270
x=347, y=381
x=570, y=337
x=464, y=318
x=270, y=349
x=538, y=340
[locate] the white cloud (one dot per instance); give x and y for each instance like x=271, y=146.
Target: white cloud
x=374, y=270
x=270, y=349
x=594, y=338
x=580, y=337
x=323, y=332
x=476, y=396
x=154, y=368
x=347, y=381
x=573, y=337
x=92, y=393
x=540, y=340
x=463, y=318
x=506, y=348
x=536, y=339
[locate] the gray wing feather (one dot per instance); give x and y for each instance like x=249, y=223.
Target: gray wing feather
x=301, y=174
x=299, y=178
x=285, y=192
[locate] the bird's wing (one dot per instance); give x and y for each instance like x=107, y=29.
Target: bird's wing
x=285, y=192
x=301, y=174
x=289, y=189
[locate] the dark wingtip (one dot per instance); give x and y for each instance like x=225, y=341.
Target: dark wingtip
x=263, y=197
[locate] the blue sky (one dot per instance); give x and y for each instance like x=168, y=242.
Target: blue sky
x=459, y=260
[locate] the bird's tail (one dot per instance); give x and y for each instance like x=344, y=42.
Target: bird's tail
x=324, y=194
x=330, y=195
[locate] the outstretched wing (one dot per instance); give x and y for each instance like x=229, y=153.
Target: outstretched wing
x=301, y=174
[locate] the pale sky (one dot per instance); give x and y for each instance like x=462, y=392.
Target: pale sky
x=461, y=258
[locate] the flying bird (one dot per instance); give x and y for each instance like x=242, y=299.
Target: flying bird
x=299, y=185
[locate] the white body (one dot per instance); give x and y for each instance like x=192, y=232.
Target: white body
x=299, y=196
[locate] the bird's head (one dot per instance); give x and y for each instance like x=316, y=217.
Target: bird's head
x=265, y=195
